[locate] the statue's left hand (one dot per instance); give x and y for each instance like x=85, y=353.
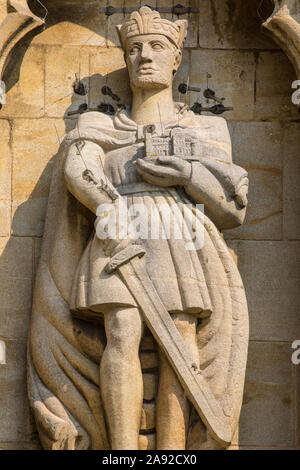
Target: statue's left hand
x=167, y=171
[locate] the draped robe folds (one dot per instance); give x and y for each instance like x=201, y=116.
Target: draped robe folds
x=64, y=352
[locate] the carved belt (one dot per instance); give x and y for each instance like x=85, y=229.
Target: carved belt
x=139, y=187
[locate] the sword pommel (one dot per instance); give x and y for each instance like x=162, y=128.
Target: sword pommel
x=124, y=256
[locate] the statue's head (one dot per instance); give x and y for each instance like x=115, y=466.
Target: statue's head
x=152, y=48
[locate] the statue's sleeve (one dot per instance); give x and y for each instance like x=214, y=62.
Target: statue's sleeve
x=84, y=175
x=217, y=182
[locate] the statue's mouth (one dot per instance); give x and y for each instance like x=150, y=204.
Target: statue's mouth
x=146, y=70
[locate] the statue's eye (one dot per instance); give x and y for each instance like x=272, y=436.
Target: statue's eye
x=157, y=46
x=134, y=49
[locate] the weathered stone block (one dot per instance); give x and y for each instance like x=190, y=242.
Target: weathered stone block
x=257, y=147
x=148, y=416
x=232, y=77
x=193, y=23
x=24, y=78
x=5, y=178
x=5, y=218
x=267, y=414
x=148, y=343
x=15, y=286
x=291, y=182
x=37, y=244
x=182, y=77
x=5, y=161
x=233, y=25
x=149, y=360
x=274, y=77
x=32, y=445
x=107, y=67
x=150, y=385
x=16, y=421
x=166, y=4
x=70, y=34
x=112, y=21
x=264, y=212
x=34, y=144
x=149, y=3
x=270, y=271
x=16, y=257
x=61, y=65
x=28, y=217
x=3, y=10
x=85, y=25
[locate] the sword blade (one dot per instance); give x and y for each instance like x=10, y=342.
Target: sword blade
x=161, y=325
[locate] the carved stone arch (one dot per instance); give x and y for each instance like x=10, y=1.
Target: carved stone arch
x=19, y=21
x=284, y=28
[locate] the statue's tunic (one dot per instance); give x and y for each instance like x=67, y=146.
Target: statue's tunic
x=176, y=272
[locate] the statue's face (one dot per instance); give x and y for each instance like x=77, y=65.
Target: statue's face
x=152, y=61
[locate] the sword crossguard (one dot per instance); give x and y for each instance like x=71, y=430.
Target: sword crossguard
x=124, y=256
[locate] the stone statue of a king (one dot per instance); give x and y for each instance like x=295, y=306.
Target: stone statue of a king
x=101, y=291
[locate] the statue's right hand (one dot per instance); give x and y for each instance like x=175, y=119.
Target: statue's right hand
x=112, y=247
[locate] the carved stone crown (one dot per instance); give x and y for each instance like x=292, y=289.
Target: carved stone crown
x=147, y=21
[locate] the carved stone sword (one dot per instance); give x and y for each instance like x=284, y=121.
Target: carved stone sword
x=132, y=271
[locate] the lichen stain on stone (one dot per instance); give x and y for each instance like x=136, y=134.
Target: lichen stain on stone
x=263, y=219
x=271, y=171
x=242, y=18
x=234, y=12
x=215, y=21
x=251, y=393
x=286, y=400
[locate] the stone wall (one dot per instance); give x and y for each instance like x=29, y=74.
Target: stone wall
x=255, y=78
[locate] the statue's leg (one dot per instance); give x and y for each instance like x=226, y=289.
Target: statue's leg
x=121, y=380
x=173, y=408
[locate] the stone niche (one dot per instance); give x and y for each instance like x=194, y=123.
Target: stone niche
x=226, y=46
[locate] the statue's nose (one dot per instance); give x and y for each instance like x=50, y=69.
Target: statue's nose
x=146, y=53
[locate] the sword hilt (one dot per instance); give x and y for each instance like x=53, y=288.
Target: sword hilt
x=124, y=256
